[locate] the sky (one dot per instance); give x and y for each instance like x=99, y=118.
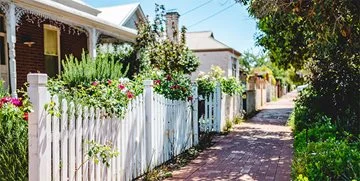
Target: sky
x=229, y=21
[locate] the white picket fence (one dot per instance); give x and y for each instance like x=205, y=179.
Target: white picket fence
x=219, y=107
x=153, y=130
x=211, y=120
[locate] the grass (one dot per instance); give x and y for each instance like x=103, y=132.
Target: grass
x=238, y=119
x=228, y=125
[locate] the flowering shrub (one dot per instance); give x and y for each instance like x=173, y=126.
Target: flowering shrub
x=113, y=95
x=176, y=86
x=207, y=82
x=13, y=137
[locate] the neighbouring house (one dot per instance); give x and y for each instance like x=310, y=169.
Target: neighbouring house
x=212, y=52
x=209, y=50
x=36, y=34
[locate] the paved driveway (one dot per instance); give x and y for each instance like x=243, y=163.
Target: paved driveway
x=259, y=149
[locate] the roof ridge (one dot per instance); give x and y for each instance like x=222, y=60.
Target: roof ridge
x=209, y=31
x=136, y=3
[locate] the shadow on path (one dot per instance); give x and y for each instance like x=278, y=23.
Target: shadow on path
x=260, y=149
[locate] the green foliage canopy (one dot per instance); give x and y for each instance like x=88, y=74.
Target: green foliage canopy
x=322, y=36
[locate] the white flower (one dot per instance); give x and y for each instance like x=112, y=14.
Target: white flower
x=124, y=80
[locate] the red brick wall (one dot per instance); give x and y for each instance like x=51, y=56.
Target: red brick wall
x=31, y=59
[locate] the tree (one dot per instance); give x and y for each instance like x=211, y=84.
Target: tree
x=322, y=36
x=249, y=60
x=163, y=54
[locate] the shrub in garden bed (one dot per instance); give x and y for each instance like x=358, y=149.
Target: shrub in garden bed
x=322, y=151
x=13, y=137
x=175, y=86
x=207, y=83
x=99, y=83
x=327, y=160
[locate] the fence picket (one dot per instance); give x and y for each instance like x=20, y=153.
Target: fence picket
x=85, y=167
x=98, y=139
x=55, y=140
x=71, y=151
x=91, y=138
x=64, y=141
x=78, y=145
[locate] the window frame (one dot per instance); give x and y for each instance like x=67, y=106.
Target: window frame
x=57, y=29
x=3, y=34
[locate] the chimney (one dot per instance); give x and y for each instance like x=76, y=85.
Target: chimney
x=172, y=26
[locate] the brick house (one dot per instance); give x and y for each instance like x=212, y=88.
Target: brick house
x=36, y=35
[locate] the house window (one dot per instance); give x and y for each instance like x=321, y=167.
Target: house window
x=2, y=41
x=52, y=50
x=234, y=69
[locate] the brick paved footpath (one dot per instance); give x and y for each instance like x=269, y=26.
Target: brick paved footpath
x=259, y=149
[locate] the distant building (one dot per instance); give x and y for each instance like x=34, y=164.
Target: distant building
x=212, y=52
x=209, y=50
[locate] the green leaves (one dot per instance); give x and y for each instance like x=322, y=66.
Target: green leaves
x=101, y=153
x=14, y=143
x=231, y=86
x=163, y=54
x=102, y=68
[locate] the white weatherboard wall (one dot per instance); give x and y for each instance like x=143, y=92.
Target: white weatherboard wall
x=215, y=58
x=153, y=130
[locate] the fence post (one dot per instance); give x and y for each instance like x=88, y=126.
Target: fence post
x=39, y=129
x=195, y=117
x=149, y=97
x=218, y=107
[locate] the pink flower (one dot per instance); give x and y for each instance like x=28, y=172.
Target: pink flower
x=95, y=83
x=109, y=82
x=14, y=101
x=157, y=82
x=121, y=86
x=190, y=98
x=26, y=116
x=168, y=77
x=129, y=95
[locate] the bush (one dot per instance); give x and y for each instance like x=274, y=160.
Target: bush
x=231, y=86
x=317, y=134
x=13, y=137
x=323, y=151
x=328, y=160
x=113, y=95
x=104, y=67
x=95, y=82
x=306, y=113
x=206, y=85
x=176, y=86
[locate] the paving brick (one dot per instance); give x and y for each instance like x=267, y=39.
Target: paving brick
x=259, y=149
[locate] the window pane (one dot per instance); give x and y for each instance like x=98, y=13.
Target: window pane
x=51, y=65
x=2, y=25
x=50, y=42
x=2, y=51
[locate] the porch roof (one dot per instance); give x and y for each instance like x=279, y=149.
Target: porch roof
x=80, y=18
